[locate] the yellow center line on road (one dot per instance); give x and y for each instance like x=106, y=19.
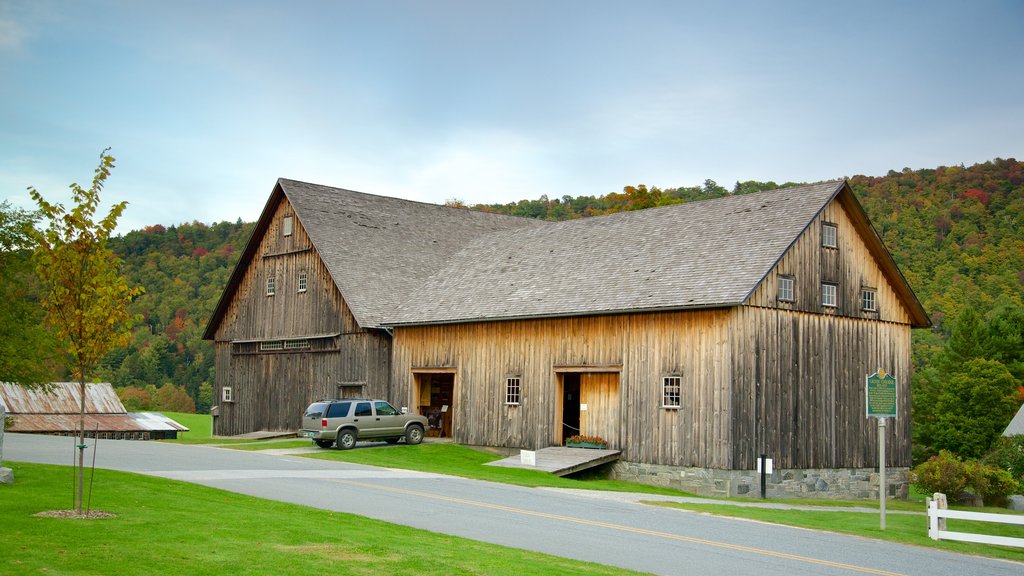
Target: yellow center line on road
x=622, y=528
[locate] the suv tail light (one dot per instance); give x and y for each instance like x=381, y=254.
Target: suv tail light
x=323, y=423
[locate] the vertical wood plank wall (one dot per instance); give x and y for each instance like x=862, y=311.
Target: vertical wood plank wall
x=646, y=346
x=271, y=389
x=850, y=266
x=754, y=379
x=799, y=389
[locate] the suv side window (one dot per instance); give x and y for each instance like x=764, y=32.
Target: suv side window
x=385, y=409
x=338, y=409
x=315, y=410
x=363, y=409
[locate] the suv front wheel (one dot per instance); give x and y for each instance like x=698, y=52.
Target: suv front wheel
x=346, y=439
x=414, y=435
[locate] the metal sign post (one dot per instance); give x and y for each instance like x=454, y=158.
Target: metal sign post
x=882, y=402
x=882, y=486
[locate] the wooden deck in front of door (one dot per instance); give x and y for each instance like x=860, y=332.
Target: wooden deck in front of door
x=561, y=461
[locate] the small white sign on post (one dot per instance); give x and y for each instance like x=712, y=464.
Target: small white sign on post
x=583, y=407
x=769, y=468
x=528, y=457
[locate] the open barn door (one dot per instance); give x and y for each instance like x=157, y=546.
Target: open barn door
x=588, y=404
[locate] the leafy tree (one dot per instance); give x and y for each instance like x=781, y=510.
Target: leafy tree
x=26, y=348
x=87, y=298
x=974, y=408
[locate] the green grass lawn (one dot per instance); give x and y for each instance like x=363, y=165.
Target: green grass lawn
x=276, y=444
x=169, y=527
x=200, y=430
x=902, y=528
x=458, y=460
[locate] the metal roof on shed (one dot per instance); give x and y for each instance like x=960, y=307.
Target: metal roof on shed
x=61, y=398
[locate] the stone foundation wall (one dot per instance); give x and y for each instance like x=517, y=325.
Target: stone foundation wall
x=837, y=483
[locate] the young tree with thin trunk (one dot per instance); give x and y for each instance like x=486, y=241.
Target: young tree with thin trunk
x=87, y=296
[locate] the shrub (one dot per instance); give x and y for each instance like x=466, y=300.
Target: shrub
x=944, y=473
x=949, y=475
x=992, y=485
x=1008, y=454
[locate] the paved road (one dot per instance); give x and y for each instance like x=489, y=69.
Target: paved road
x=596, y=528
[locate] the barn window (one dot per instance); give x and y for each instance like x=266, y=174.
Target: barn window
x=868, y=298
x=829, y=235
x=828, y=294
x=296, y=344
x=271, y=345
x=286, y=226
x=513, y=390
x=671, y=391
x=303, y=281
x=786, y=288
x=226, y=395
x=271, y=286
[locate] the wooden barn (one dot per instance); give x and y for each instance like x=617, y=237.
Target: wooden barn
x=304, y=313
x=691, y=337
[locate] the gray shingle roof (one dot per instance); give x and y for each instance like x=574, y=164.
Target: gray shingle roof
x=379, y=249
x=694, y=255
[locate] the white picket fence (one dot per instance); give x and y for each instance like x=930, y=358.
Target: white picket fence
x=937, y=514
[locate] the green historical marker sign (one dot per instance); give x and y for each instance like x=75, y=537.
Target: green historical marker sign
x=881, y=395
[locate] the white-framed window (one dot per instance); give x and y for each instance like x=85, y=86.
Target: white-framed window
x=271, y=286
x=829, y=235
x=277, y=345
x=869, y=299
x=513, y=390
x=829, y=295
x=671, y=391
x=286, y=226
x=226, y=395
x=303, y=281
x=786, y=289
x=296, y=344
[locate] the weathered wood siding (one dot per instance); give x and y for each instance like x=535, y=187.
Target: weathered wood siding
x=624, y=403
x=799, y=389
x=783, y=378
x=850, y=266
x=271, y=389
x=799, y=367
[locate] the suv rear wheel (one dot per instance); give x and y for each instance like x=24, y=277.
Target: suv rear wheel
x=413, y=435
x=346, y=439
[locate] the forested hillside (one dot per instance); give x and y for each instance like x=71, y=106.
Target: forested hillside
x=956, y=232
x=184, y=270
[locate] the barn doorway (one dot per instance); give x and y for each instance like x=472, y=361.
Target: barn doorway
x=588, y=404
x=570, y=405
x=435, y=399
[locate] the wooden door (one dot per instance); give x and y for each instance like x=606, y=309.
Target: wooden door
x=599, y=393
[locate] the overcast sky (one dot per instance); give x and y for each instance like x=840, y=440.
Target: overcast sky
x=206, y=104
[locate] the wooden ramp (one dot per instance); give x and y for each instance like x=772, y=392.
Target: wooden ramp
x=561, y=461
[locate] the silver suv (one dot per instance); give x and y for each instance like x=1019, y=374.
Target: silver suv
x=342, y=422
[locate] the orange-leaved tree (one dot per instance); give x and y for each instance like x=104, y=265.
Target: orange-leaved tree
x=87, y=297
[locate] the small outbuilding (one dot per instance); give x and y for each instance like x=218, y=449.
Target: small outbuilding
x=56, y=411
